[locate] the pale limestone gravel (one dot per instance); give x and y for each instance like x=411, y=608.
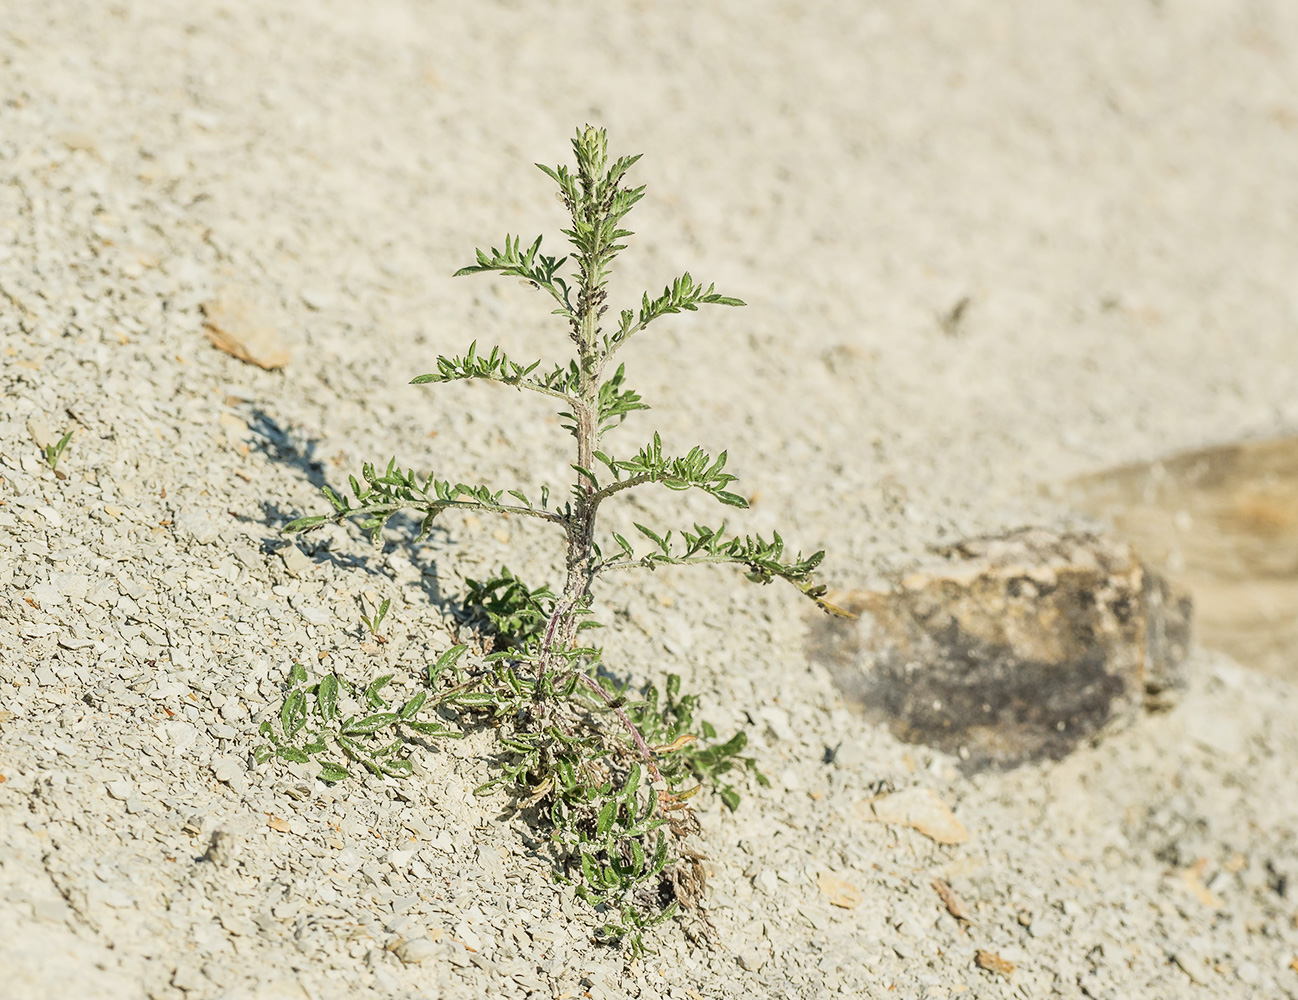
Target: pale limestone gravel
x=1111, y=186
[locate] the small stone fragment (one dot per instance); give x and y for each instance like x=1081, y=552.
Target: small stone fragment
x=839, y=892
x=953, y=903
x=278, y=823
x=187, y=977
x=992, y=962
x=120, y=789
x=1193, y=966
x=413, y=951
x=751, y=959
x=226, y=769
x=235, y=325
x=79, y=142
x=295, y=560
x=196, y=526
x=767, y=881
x=223, y=848
x=314, y=615
x=920, y=809
x=41, y=433
x=316, y=298
x=1192, y=878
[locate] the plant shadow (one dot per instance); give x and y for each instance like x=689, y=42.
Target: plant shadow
x=286, y=447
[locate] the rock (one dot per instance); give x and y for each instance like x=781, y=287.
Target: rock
x=196, y=526
x=234, y=324
x=296, y=562
x=316, y=298
x=767, y=881
x=751, y=959
x=992, y=962
x=920, y=809
x=315, y=615
x=187, y=977
x=223, y=848
x=1009, y=649
x=839, y=892
x=226, y=769
x=954, y=904
x=72, y=586
x=1195, y=966
x=1222, y=522
x=120, y=788
x=41, y=433
x=415, y=950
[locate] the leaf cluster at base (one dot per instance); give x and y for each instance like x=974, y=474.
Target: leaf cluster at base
x=618, y=821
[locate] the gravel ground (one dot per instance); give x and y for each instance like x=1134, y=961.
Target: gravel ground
x=1108, y=185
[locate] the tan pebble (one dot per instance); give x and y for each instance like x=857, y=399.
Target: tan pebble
x=922, y=810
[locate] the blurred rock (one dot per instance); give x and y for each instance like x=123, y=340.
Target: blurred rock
x=920, y=809
x=238, y=326
x=1221, y=522
x=1010, y=649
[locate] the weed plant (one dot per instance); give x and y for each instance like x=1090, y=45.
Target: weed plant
x=52, y=453
x=610, y=772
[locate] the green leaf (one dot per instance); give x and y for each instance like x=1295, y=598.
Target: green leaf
x=306, y=523
x=432, y=729
x=399, y=768
x=606, y=816
x=297, y=675
x=590, y=872
x=370, y=724
x=331, y=772
x=413, y=705
x=372, y=691
x=445, y=661
x=292, y=715
x=326, y=698
x=729, y=796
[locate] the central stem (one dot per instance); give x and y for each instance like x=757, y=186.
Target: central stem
x=561, y=629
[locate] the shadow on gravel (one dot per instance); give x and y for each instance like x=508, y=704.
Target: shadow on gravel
x=286, y=447
x=279, y=445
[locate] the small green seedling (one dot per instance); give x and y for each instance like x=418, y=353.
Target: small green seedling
x=609, y=771
x=54, y=452
x=375, y=621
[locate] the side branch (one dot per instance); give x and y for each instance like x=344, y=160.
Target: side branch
x=763, y=560
x=383, y=495
x=497, y=367
x=604, y=492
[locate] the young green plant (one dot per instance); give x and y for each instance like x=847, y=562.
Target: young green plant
x=53, y=452
x=608, y=771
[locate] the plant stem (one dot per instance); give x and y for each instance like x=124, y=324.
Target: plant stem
x=646, y=755
x=561, y=629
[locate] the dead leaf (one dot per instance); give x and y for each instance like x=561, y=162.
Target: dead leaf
x=275, y=823
x=1294, y=965
x=1192, y=877
x=920, y=809
x=235, y=325
x=992, y=962
x=840, y=893
x=954, y=904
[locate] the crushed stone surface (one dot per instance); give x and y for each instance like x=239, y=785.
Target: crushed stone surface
x=1109, y=185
